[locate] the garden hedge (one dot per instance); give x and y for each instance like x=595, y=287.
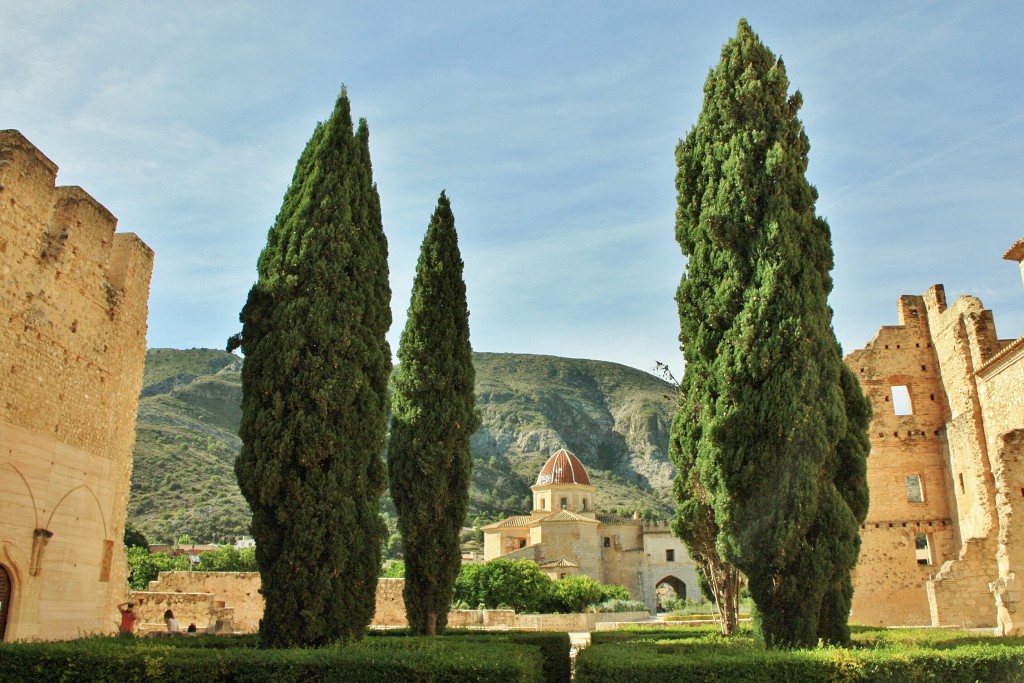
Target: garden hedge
x=372, y=660
x=877, y=656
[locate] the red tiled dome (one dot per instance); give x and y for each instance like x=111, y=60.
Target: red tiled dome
x=563, y=468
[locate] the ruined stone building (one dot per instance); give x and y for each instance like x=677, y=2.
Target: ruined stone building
x=944, y=537
x=73, y=304
x=565, y=535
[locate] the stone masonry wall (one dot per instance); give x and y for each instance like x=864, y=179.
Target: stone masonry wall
x=964, y=445
x=390, y=603
x=889, y=582
x=237, y=591
x=73, y=307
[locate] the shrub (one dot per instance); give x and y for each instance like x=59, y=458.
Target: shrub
x=617, y=605
x=700, y=653
x=393, y=569
x=519, y=584
x=579, y=592
x=372, y=660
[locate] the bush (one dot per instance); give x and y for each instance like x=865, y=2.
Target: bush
x=884, y=656
x=393, y=569
x=521, y=585
x=579, y=592
x=372, y=660
x=617, y=605
x=554, y=648
x=144, y=566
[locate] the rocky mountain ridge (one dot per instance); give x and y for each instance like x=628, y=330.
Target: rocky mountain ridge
x=614, y=418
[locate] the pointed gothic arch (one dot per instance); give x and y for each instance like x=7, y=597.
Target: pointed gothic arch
x=677, y=585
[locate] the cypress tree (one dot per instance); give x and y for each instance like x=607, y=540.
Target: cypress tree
x=314, y=394
x=434, y=415
x=763, y=419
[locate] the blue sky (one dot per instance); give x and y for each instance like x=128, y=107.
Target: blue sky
x=552, y=126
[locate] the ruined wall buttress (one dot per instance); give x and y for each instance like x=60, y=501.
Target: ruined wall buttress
x=73, y=307
x=964, y=339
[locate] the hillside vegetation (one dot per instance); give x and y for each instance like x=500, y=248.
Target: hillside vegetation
x=614, y=418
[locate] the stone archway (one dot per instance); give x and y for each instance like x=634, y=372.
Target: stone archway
x=669, y=586
x=6, y=594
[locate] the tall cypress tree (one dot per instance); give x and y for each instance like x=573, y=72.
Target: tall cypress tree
x=314, y=394
x=435, y=414
x=762, y=409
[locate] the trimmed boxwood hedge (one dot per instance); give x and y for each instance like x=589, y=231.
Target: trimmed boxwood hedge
x=200, y=660
x=554, y=647
x=882, y=656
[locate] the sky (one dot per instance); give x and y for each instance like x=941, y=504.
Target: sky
x=551, y=126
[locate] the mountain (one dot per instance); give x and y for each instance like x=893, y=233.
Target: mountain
x=614, y=418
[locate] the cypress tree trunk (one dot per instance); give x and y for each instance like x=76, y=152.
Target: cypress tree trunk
x=762, y=410
x=434, y=415
x=314, y=394
x=695, y=525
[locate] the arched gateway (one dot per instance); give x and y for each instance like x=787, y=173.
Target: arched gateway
x=6, y=589
x=670, y=587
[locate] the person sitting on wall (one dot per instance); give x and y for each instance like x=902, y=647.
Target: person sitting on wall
x=128, y=618
x=172, y=623
x=192, y=628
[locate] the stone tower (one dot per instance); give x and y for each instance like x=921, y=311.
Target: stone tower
x=73, y=305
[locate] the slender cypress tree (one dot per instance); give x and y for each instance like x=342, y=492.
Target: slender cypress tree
x=314, y=394
x=435, y=414
x=762, y=410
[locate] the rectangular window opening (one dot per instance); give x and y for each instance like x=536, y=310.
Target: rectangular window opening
x=901, y=400
x=607, y=542
x=670, y=555
x=923, y=548
x=960, y=477
x=915, y=492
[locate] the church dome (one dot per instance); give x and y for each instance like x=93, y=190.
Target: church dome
x=563, y=468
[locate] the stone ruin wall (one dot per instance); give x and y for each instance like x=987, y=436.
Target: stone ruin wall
x=889, y=581
x=966, y=438
x=202, y=598
x=73, y=307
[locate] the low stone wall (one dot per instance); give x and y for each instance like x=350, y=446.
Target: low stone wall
x=213, y=601
x=573, y=622
x=233, y=599
x=197, y=608
x=481, y=618
x=506, y=618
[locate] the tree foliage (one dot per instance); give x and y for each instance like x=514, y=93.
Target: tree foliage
x=767, y=440
x=314, y=394
x=434, y=415
x=144, y=566
x=522, y=586
x=578, y=592
x=518, y=584
x=133, y=537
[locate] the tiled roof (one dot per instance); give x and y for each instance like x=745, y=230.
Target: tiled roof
x=561, y=563
x=616, y=520
x=563, y=468
x=514, y=521
x=565, y=516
